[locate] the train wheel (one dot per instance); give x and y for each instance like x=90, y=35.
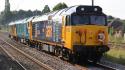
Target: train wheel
x=73, y=59
x=56, y=51
x=40, y=47
x=49, y=48
x=66, y=55
x=69, y=55
x=29, y=43
x=97, y=58
x=32, y=44
x=36, y=46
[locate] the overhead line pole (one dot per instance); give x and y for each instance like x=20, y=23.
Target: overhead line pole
x=92, y=2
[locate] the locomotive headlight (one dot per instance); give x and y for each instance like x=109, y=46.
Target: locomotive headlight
x=82, y=9
x=101, y=37
x=95, y=9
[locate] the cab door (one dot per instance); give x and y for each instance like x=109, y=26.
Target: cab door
x=14, y=30
x=66, y=32
x=30, y=29
x=63, y=29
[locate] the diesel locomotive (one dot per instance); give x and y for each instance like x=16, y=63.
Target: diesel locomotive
x=74, y=33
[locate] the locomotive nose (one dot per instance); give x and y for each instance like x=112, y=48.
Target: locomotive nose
x=90, y=35
x=101, y=37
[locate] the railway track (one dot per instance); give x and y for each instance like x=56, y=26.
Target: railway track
x=5, y=45
x=17, y=62
x=7, y=62
x=48, y=59
x=100, y=66
x=66, y=62
x=106, y=67
x=80, y=67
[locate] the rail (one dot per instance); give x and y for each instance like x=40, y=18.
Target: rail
x=28, y=56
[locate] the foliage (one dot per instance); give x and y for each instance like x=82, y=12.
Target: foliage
x=123, y=25
x=24, y=14
x=4, y=28
x=110, y=17
x=5, y=18
x=116, y=40
x=60, y=6
x=116, y=55
x=46, y=9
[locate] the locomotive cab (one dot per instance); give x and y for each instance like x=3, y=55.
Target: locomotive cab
x=86, y=32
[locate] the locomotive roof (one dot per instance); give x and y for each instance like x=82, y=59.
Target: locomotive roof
x=18, y=22
x=22, y=21
x=68, y=11
x=56, y=15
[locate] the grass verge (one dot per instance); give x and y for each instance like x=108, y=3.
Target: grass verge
x=116, y=55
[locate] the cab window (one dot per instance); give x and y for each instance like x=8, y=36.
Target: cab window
x=80, y=20
x=98, y=20
x=68, y=20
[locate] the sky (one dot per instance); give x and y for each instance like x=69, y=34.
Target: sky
x=115, y=8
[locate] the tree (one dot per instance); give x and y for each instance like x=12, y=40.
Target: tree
x=7, y=6
x=110, y=17
x=46, y=9
x=7, y=17
x=60, y=6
